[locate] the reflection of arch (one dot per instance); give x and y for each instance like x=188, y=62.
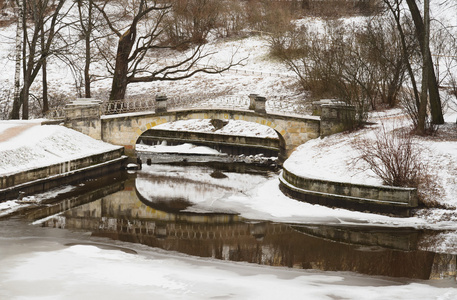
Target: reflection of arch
x=125, y=129
x=159, y=193
x=171, y=214
x=163, y=204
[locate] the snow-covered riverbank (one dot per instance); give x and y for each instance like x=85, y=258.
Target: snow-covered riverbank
x=325, y=158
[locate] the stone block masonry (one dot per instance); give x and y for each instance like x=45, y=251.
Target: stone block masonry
x=83, y=115
x=378, y=199
x=43, y=178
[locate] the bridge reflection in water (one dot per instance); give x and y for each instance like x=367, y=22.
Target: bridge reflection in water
x=374, y=251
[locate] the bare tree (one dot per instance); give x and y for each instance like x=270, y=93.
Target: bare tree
x=38, y=37
x=434, y=96
x=17, y=74
x=425, y=72
x=429, y=81
x=407, y=50
x=144, y=35
x=86, y=26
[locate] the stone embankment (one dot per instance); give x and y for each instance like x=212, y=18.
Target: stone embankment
x=50, y=174
x=360, y=197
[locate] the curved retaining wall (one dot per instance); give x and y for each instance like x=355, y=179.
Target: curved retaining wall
x=360, y=197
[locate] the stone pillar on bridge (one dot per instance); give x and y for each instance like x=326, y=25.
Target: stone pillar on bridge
x=161, y=103
x=252, y=101
x=260, y=104
x=83, y=115
x=336, y=116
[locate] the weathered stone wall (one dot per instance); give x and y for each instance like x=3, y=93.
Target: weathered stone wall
x=83, y=115
x=336, y=116
x=47, y=172
x=124, y=130
x=384, y=199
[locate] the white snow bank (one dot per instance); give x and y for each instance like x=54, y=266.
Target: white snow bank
x=40, y=146
x=331, y=158
x=184, y=148
x=233, y=127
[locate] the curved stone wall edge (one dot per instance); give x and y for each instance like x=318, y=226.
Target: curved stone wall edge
x=343, y=194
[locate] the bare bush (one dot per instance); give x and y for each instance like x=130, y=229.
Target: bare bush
x=57, y=101
x=329, y=65
x=337, y=8
x=361, y=65
x=232, y=19
x=396, y=157
x=191, y=20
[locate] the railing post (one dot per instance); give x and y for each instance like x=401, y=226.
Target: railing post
x=336, y=116
x=83, y=115
x=260, y=104
x=161, y=103
x=252, y=101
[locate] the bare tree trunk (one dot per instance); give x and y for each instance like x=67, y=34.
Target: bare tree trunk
x=120, y=79
x=87, y=67
x=25, y=87
x=86, y=29
x=435, y=101
x=44, y=74
x=425, y=71
x=17, y=75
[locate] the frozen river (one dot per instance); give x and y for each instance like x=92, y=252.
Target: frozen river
x=168, y=232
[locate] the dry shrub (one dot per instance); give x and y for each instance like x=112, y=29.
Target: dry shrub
x=339, y=9
x=396, y=157
x=232, y=19
x=191, y=20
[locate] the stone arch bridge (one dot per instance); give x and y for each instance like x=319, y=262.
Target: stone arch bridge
x=124, y=129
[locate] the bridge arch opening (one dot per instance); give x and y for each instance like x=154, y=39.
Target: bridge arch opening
x=230, y=136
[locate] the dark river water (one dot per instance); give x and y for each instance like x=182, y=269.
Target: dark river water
x=159, y=207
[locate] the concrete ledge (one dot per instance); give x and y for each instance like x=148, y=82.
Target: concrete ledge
x=377, y=199
x=44, y=178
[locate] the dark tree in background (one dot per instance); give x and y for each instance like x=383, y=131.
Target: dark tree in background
x=38, y=37
x=144, y=34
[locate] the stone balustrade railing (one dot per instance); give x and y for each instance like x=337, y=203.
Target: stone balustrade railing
x=274, y=105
